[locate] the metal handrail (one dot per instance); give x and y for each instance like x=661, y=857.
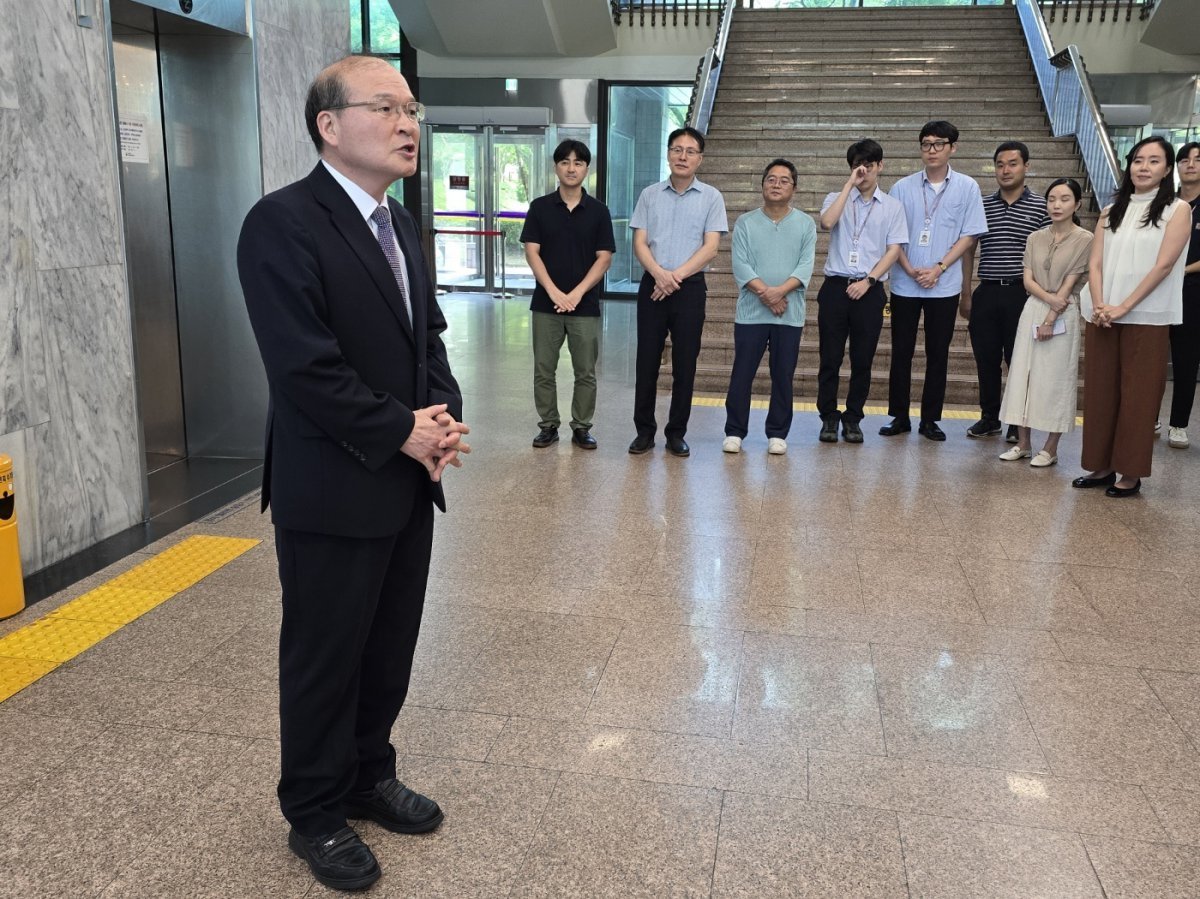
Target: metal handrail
x=1067, y=92
x=704, y=91
x=1144, y=8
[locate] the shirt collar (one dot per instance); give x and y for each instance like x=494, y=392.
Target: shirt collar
x=363, y=201
x=856, y=194
x=1026, y=193
x=925, y=176
x=695, y=185
x=583, y=197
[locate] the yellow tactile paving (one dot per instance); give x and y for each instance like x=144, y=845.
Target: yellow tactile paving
x=41, y=646
x=914, y=412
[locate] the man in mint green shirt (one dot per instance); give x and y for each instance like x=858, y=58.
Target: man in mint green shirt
x=773, y=249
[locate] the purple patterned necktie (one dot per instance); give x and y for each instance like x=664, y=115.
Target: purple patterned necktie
x=387, y=242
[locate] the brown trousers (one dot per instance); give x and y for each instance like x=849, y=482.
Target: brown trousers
x=1124, y=377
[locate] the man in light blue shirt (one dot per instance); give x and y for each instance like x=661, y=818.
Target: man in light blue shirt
x=773, y=249
x=945, y=217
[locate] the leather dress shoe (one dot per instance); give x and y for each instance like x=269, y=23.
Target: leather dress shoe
x=392, y=805
x=677, y=446
x=829, y=428
x=931, y=430
x=545, y=437
x=897, y=426
x=1107, y=481
x=1116, y=491
x=340, y=860
x=583, y=439
x=641, y=445
x=851, y=432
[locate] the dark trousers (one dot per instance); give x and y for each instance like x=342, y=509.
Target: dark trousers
x=351, y=615
x=840, y=318
x=939, y=330
x=682, y=316
x=1185, y=357
x=995, y=312
x=749, y=344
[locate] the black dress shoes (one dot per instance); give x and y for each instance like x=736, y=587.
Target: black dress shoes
x=897, y=426
x=545, y=437
x=1114, y=490
x=677, y=446
x=340, y=860
x=582, y=439
x=851, y=432
x=931, y=431
x=641, y=445
x=829, y=428
x=1107, y=481
x=394, y=806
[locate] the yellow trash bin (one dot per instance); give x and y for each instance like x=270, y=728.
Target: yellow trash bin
x=12, y=589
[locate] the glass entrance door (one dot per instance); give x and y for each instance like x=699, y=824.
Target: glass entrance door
x=520, y=172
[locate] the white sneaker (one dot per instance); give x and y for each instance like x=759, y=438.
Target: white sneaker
x=776, y=446
x=1177, y=437
x=732, y=444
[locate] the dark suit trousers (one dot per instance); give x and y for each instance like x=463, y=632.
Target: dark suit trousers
x=682, y=316
x=939, y=330
x=351, y=615
x=840, y=318
x=995, y=311
x=1185, y=357
x=749, y=344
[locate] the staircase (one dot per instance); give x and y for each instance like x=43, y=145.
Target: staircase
x=805, y=84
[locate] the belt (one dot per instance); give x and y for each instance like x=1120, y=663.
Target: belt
x=1003, y=282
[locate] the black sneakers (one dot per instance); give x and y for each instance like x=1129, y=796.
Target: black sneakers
x=985, y=427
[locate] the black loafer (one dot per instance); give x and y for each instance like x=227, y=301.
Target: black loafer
x=394, y=806
x=829, y=428
x=1116, y=491
x=340, y=860
x=1107, y=481
x=930, y=430
x=677, y=446
x=897, y=426
x=582, y=439
x=641, y=445
x=545, y=437
x=851, y=432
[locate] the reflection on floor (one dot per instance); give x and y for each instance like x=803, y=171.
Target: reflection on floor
x=889, y=670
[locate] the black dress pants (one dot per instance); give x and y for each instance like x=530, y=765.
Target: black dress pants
x=939, y=330
x=1185, y=357
x=351, y=615
x=840, y=318
x=682, y=316
x=995, y=311
x=749, y=344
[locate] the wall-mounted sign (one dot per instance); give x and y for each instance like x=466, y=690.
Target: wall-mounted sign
x=460, y=182
x=133, y=139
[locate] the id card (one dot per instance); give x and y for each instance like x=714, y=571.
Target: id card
x=852, y=259
x=924, y=238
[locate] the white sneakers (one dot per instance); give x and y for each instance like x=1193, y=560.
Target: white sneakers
x=776, y=446
x=732, y=444
x=1177, y=437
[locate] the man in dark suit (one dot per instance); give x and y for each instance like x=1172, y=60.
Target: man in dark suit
x=363, y=421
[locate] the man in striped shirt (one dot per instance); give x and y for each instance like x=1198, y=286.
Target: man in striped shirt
x=994, y=308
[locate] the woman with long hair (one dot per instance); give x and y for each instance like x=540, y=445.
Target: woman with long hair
x=1134, y=292
x=1041, y=388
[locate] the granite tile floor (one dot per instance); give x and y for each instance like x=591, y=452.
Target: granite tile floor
x=901, y=669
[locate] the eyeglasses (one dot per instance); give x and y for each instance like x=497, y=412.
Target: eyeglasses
x=778, y=182
x=390, y=109
x=689, y=152
x=934, y=146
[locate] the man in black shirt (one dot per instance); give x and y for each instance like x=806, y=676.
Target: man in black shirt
x=1185, y=338
x=569, y=244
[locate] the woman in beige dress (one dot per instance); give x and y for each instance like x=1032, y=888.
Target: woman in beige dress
x=1042, y=376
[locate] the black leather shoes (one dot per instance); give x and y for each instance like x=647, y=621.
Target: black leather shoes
x=1107, y=481
x=898, y=426
x=340, y=860
x=641, y=445
x=582, y=439
x=545, y=437
x=851, y=432
x=930, y=430
x=1114, y=490
x=829, y=428
x=677, y=446
x=394, y=806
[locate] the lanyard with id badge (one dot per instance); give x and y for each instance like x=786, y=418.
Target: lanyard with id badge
x=925, y=237
x=852, y=257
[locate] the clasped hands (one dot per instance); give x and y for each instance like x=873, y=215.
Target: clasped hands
x=565, y=302
x=436, y=440
x=665, y=284
x=1104, y=315
x=927, y=277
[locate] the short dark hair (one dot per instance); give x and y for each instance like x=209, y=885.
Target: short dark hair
x=1186, y=150
x=780, y=162
x=689, y=131
x=864, y=152
x=1010, y=145
x=569, y=146
x=939, y=129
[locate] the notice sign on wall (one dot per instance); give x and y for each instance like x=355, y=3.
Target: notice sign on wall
x=133, y=140
x=460, y=182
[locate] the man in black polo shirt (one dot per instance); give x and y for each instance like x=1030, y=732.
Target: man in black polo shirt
x=569, y=244
x=993, y=310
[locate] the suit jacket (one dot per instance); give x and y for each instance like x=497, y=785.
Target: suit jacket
x=345, y=368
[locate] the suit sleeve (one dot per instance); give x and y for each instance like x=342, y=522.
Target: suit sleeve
x=281, y=281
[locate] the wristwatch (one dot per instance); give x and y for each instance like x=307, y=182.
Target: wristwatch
x=871, y=282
